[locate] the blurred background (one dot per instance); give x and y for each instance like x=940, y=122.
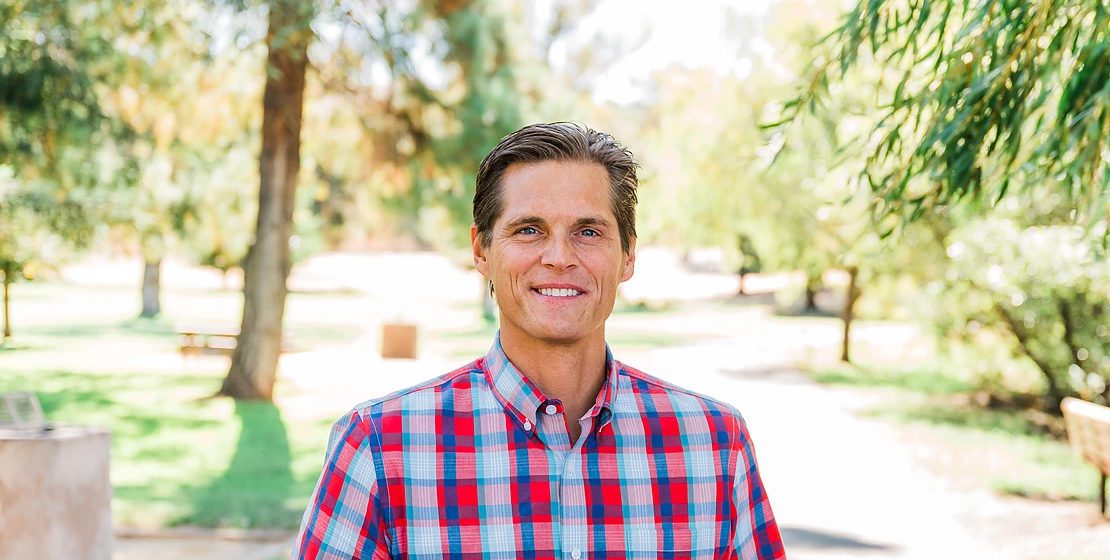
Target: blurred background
x=880, y=230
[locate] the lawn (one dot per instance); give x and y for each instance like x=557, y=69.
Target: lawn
x=181, y=458
x=178, y=457
x=1012, y=451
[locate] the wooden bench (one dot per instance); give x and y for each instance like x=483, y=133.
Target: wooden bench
x=1088, y=426
x=195, y=342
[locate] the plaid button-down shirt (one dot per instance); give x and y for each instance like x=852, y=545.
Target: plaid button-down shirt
x=478, y=464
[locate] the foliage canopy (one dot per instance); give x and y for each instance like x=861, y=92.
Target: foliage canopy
x=975, y=96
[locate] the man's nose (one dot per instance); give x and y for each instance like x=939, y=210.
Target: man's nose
x=558, y=252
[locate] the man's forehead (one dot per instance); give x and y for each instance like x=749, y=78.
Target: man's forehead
x=556, y=190
x=555, y=180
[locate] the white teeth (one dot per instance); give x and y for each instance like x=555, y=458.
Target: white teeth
x=559, y=292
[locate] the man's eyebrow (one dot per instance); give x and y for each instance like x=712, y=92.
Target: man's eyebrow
x=524, y=221
x=597, y=221
x=593, y=221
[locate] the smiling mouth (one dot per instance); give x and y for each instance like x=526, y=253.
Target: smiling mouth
x=559, y=292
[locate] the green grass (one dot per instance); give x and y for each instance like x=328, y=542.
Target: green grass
x=179, y=458
x=1038, y=465
x=1011, y=451
x=929, y=379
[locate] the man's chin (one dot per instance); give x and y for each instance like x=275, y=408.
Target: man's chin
x=563, y=337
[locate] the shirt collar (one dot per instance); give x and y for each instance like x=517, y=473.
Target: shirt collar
x=522, y=399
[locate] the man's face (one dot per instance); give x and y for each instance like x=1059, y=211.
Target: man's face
x=555, y=255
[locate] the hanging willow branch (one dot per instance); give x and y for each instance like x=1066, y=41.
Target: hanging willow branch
x=979, y=95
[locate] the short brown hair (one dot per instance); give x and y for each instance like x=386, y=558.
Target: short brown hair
x=559, y=141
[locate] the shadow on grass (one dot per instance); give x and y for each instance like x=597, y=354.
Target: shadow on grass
x=969, y=417
x=798, y=311
x=761, y=299
x=156, y=328
x=11, y=347
x=122, y=401
x=926, y=380
x=258, y=482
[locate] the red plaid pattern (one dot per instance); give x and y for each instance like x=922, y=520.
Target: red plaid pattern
x=478, y=464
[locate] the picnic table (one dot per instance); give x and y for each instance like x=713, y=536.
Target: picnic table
x=197, y=341
x=1088, y=426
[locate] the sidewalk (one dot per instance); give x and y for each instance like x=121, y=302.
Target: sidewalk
x=199, y=548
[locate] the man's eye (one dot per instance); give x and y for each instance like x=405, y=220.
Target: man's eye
x=590, y=232
x=528, y=230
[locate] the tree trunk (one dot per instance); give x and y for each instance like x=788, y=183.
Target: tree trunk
x=812, y=285
x=7, y=303
x=848, y=314
x=266, y=266
x=1055, y=392
x=152, y=287
x=740, y=290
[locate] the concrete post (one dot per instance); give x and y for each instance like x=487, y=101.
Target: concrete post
x=55, y=494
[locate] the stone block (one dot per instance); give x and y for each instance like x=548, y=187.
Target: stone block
x=55, y=494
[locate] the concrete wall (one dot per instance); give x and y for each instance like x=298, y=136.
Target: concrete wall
x=55, y=494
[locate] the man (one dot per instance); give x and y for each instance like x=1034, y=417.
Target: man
x=547, y=447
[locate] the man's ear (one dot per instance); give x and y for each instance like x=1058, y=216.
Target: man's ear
x=630, y=260
x=480, y=261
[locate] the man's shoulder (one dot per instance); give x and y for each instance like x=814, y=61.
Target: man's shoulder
x=461, y=378
x=643, y=384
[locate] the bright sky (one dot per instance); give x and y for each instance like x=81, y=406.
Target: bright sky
x=690, y=33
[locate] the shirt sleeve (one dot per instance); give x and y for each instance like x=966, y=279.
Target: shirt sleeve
x=756, y=532
x=345, y=517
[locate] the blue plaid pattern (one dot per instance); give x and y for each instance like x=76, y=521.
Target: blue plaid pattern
x=478, y=464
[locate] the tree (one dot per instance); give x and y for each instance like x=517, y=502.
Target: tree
x=57, y=146
x=36, y=232
x=984, y=105
x=988, y=94
x=430, y=126
x=419, y=136
x=1043, y=291
x=266, y=266
x=750, y=262
x=52, y=115
x=159, y=95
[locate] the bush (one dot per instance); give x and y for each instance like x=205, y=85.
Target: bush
x=1044, y=290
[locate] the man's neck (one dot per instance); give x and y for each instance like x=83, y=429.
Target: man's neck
x=572, y=373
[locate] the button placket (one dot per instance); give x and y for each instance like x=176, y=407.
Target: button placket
x=574, y=531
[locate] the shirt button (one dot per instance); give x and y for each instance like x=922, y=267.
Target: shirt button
x=527, y=425
x=576, y=554
x=551, y=410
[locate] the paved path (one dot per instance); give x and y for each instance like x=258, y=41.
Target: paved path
x=197, y=548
